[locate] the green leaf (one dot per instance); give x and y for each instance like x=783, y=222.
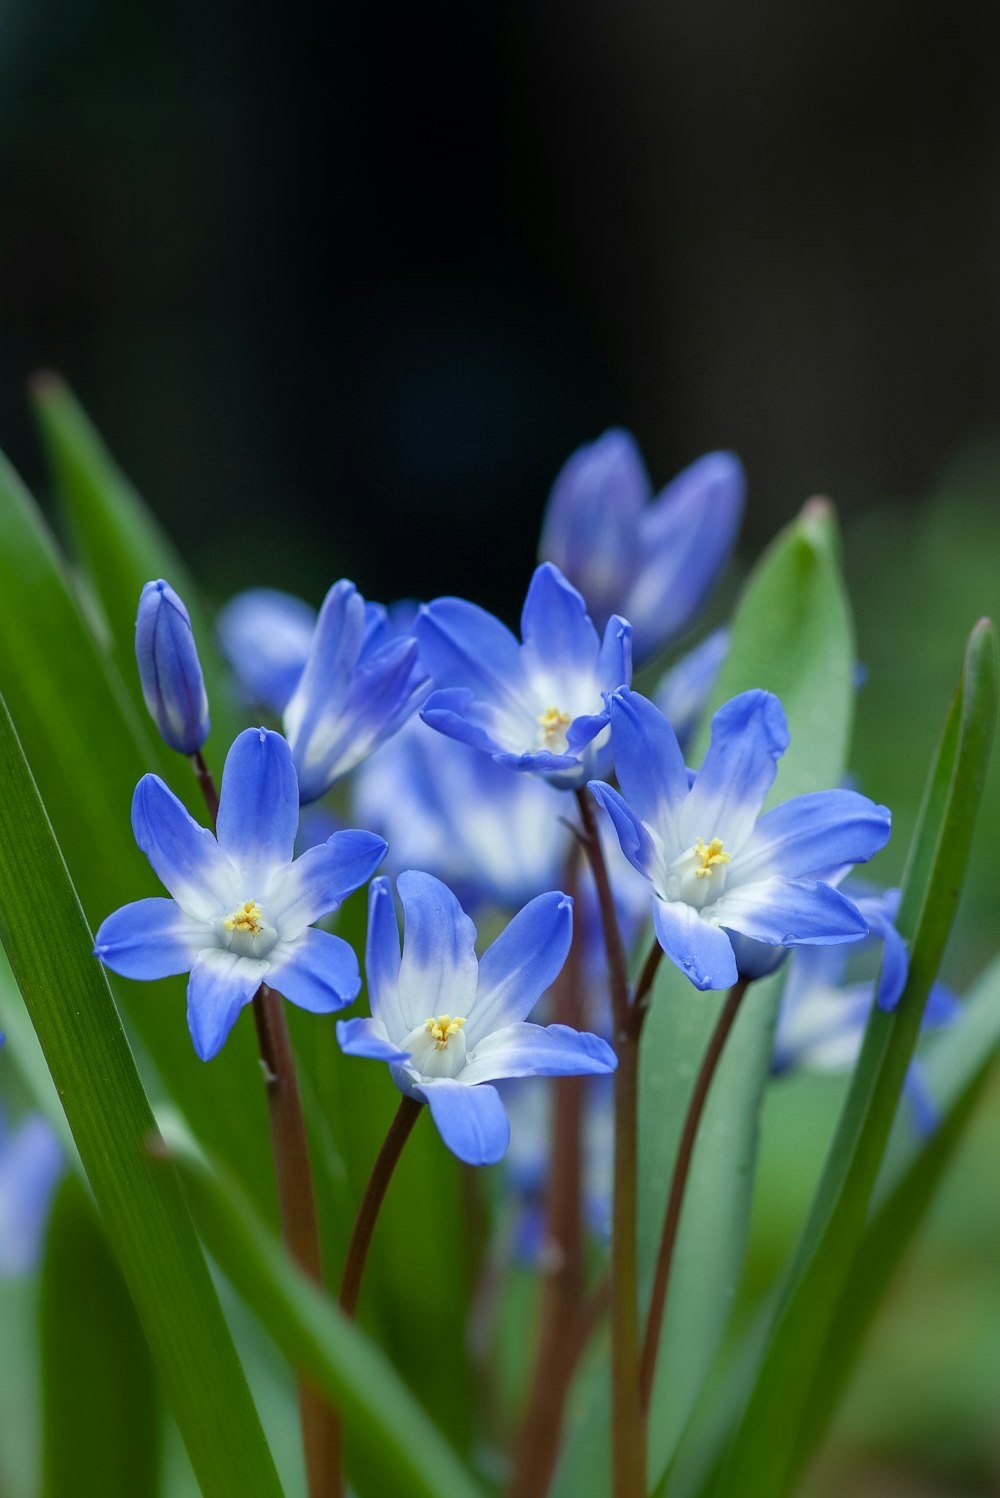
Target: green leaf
x=791, y=635
x=382, y=1419
x=762, y=1460
x=100, y=1398
x=121, y=546
x=45, y=934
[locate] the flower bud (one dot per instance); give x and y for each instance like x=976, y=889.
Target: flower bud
x=172, y=684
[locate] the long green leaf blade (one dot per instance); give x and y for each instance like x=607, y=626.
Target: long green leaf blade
x=45, y=934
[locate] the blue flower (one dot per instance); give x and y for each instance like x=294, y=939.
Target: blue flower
x=265, y=635
x=538, y=706
x=655, y=563
x=450, y=1024
x=358, y=686
x=683, y=692
x=173, y=687
x=242, y=909
x=716, y=869
x=31, y=1162
x=444, y=807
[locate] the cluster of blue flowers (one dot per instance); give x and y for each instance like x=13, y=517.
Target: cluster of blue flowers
x=461, y=742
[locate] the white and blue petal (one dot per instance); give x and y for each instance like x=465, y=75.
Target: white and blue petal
x=614, y=659
x=369, y=1038
x=219, y=987
x=151, y=939
x=525, y=1050
x=185, y=856
x=317, y=882
x=521, y=964
x=318, y=972
x=472, y=1121
x=560, y=643
x=461, y=645
x=811, y=833
x=636, y=843
x=749, y=736
x=703, y=952
x=789, y=913
x=265, y=636
x=438, y=971
x=258, y=804
x=650, y=767
x=382, y=960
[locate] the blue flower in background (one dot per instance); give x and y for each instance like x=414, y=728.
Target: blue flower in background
x=450, y=1024
x=359, y=685
x=683, y=692
x=31, y=1162
x=714, y=867
x=173, y=687
x=242, y=910
x=265, y=636
x=655, y=563
x=540, y=705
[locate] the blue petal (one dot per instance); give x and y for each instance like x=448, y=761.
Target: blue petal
x=790, y=913
x=472, y=1121
x=266, y=635
x=685, y=538
x=462, y=645
x=455, y=712
x=559, y=639
x=811, y=833
x=895, y=960
x=683, y=693
x=259, y=803
x=31, y=1163
x=315, y=884
x=219, y=986
x=367, y=1037
x=185, y=856
x=520, y=965
x=649, y=766
x=523, y=1050
x=702, y=952
x=173, y=687
x=319, y=972
x=151, y=939
x=382, y=960
x=636, y=843
x=614, y=661
x=923, y=1105
x=942, y=1008
x=749, y=736
x=756, y=959
x=319, y=698
x=439, y=969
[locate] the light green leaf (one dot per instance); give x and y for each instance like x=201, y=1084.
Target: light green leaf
x=45, y=934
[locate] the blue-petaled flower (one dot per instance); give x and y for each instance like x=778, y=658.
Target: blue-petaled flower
x=653, y=562
x=359, y=685
x=173, y=687
x=683, y=692
x=449, y=1024
x=242, y=908
x=266, y=635
x=31, y=1162
x=539, y=705
x=716, y=865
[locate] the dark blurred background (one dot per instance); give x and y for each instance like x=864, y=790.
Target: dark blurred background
x=360, y=276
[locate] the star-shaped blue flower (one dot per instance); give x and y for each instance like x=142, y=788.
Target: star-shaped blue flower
x=716, y=866
x=450, y=1024
x=242, y=907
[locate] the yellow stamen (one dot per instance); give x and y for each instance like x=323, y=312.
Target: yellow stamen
x=553, y=723
x=710, y=856
x=247, y=917
x=443, y=1028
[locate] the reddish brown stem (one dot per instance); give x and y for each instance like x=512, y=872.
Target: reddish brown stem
x=378, y=1182
x=644, y=987
x=206, y=784
x=672, y=1217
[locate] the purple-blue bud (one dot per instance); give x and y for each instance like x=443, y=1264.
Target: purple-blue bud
x=172, y=684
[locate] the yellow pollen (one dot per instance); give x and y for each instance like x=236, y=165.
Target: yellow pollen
x=442, y=1029
x=553, y=723
x=710, y=856
x=247, y=917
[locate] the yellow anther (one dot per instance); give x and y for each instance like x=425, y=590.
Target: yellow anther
x=553, y=723
x=709, y=856
x=443, y=1028
x=246, y=917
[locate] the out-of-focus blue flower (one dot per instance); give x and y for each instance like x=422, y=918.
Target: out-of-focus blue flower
x=173, y=687
x=359, y=685
x=540, y=705
x=495, y=838
x=683, y=693
x=652, y=562
x=449, y=1024
x=31, y=1162
x=527, y=1165
x=242, y=910
x=265, y=635
x=713, y=866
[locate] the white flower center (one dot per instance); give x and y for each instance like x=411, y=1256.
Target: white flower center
x=437, y=1047
x=246, y=932
x=698, y=876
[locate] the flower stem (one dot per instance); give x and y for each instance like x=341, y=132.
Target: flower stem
x=682, y=1166
x=628, y=1447
x=644, y=987
x=206, y=784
